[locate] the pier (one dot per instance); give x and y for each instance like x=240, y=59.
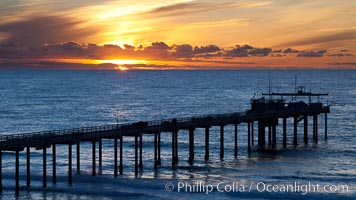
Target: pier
x=267, y=112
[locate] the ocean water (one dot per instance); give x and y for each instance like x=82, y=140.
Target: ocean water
x=46, y=100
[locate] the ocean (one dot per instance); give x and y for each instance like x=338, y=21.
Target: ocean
x=42, y=100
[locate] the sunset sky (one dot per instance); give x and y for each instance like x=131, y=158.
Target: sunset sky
x=177, y=34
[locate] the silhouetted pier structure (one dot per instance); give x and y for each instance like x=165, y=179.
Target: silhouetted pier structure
x=265, y=112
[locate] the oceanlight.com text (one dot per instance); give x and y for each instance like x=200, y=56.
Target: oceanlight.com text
x=235, y=187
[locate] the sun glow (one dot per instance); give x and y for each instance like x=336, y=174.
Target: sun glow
x=124, y=62
x=122, y=68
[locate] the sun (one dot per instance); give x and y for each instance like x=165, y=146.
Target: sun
x=121, y=68
x=124, y=61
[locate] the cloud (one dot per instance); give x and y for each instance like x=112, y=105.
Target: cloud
x=182, y=51
x=260, y=51
x=319, y=53
x=197, y=7
x=46, y=30
x=247, y=50
x=334, y=38
x=342, y=63
x=290, y=50
x=340, y=54
x=206, y=49
x=56, y=66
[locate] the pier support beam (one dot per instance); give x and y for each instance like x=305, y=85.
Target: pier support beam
x=78, y=157
x=93, y=159
x=136, y=155
x=261, y=133
x=249, y=137
x=269, y=135
x=155, y=151
x=252, y=134
x=70, y=164
x=174, y=147
x=54, y=163
x=315, y=127
x=28, y=167
x=305, y=129
x=115, y=157
x=44, y=168
x=159, y=148
x=284, y=132
x=274, y=136
x=326, y=126
x=140, y=162
x=206, y=143
x=0, y=170
x=17, y=173
x=100, y=155
x=121, y=152
x=221, y=141
x=235, y=147
x=295, y=123
x=191, y=145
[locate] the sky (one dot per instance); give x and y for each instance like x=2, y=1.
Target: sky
x=178, y=34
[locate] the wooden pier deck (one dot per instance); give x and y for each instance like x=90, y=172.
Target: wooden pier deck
x=267, y=118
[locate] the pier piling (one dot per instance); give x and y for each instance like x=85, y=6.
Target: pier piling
x=121, y=152
x=17, y=173
x=155, y=151
x=136, y=155
x=44, y=168
x=284, y=132
x=159, y=148
x=78, y=157
x=191, y=145
x=100, y=155
x=305, y=129
x=70, y=164
x=221, y=142
x=140, y=161
x=326, y=126
x=274, y=136
x=248, y=137
x=54, y=174
x=252, y=134
x=28, y=167
x=295, y=130
x=0, y=170
x=235, y=146
x=206, y=143
x=93, y=159
x=115, y=157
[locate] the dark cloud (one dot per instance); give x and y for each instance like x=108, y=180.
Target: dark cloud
x=319, y=53
x=182, y=51
x=335, y=38
x=290, y=50
x=206, y=49
x=239, y=51
x=155, y=51
x=247, y=50
x=342, y=63
x=260, y=51
x=340, y=54
x=45, y=30
x=344, y=50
